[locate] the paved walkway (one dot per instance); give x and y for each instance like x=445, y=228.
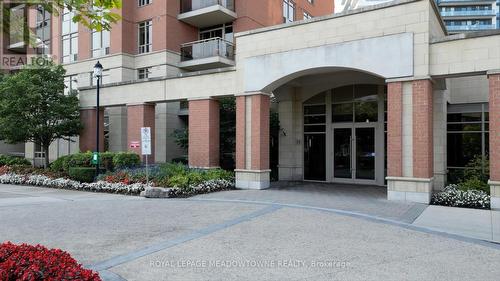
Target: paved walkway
x=205, y=238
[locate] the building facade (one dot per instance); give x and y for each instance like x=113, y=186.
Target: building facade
x=466, y=16
x=381, y=95
x=153, y=40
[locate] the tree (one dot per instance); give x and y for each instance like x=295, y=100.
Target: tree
x=34, y=108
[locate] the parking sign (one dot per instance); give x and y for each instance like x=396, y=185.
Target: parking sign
x=146, y=140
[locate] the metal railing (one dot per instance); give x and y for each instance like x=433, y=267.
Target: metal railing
x=470, y=27
x=193, y=5
x=461, y=1
x=207, y=48
x=468, y=13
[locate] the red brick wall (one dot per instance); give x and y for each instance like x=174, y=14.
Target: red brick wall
x=494, y=106
x=260, y=132
x=87, y=134
x=423, y=146
x=395, y=129
x=240, y=132
x=138, y=116
x=204, y=133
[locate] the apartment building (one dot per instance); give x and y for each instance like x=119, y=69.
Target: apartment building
x=470, y=15
x=155, y=39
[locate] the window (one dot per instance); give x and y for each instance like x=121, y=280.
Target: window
x=144, y=2
x=288, y=11
x=71, y=84
x=69, y=38
x=224, y=31
x=100, y=43
x=145, y=34
x=39, y=153
x=42, y=31
x=307, y=15
x=358, y=103
x=467, y=137
x=143, y=73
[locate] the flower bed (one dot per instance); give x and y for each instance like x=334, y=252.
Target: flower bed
x=453, y=196
x=116, y=188
x=62, y=183
x=26, y=262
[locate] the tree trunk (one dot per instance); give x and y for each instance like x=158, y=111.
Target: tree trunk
x=46, y=154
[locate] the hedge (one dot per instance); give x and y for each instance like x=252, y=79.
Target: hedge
x=6, y=160
x=109, y=161
x=82, y=174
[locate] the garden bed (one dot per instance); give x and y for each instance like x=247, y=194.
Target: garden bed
x=180, y=180
x=454, y=196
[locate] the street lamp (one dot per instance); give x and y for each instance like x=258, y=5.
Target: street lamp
x=98, y=75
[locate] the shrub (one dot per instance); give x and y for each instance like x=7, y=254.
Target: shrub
x=172, y=169
x=180, y=181
x=82, y=174
x=453, y=196
x=7, y=160
x=78, y=160
x=474, y=184
x=58, y=165
x=106, y=160
x=126, y=160
x=26, y=262
x=215, y=174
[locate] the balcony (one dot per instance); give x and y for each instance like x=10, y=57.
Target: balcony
x=471, y=13
x=476, y=27
x=205, y=13
x=207, y=54
x=465, y=1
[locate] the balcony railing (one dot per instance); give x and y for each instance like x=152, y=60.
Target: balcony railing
x=193, y=5
x=461, y=1
x=213, y=47
x=470, y=27
x=468, y=13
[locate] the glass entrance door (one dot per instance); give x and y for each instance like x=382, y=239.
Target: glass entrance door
x=354, y=154
x=314, y=157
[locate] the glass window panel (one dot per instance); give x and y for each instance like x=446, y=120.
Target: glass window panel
x=487, y=143
x=314, y=109
x=487, y=126
x=366, y=92
x=462, y=147
x=366, y=111
x=314, y=128
x=464, y=117
x=465, y=127
x=315, y=119
x=342, y=112
x=486, y=116
x=343, y=94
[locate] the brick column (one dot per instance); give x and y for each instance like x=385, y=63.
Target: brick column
x=494, y=153
x=395, y=129
x=138, y=116
x=87, y=140
x=204, y=133
x=410, y=149
x=423, y=145
x=252, y=141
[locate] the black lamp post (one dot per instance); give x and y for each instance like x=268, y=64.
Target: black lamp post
x=98, y=75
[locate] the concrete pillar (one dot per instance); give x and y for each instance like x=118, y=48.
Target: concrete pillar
x=252, y=141
x=410, y=176
x=138, y=116
x=204, y=134
x=88, y=133
x=494, y=108
x=395, y=129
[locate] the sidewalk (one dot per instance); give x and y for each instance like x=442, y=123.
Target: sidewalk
x=479, y=224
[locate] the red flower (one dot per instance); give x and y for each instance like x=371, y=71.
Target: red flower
x=32, y=263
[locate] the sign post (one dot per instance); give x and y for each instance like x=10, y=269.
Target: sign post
x=146, y=147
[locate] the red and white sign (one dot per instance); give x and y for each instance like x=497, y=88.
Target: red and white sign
x=135, y=144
